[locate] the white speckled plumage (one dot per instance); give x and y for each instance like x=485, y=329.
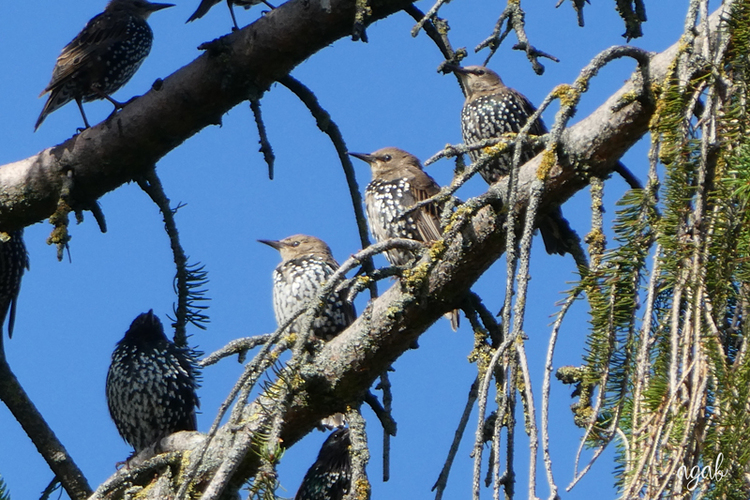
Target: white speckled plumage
x=151, y=385
x=307, y=264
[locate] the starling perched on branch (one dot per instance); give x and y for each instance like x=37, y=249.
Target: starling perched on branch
x=330, y=476
x=306, y=264
x=151, y=385
x=206, y=5
x=491, y=110
x=13, y=261
x=103, y=57
x=398, y=183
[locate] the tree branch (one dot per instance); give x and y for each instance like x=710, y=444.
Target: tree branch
x=234, y=68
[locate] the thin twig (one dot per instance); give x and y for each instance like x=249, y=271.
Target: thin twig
x=265, y=144
x=237, y=346
x=442, y=481
x=329, y=127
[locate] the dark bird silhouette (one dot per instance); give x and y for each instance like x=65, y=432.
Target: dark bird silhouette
x=14, y=260
x=330, y=477
x=206, y=5
x=398, y=182
x=306, y=265
x=492, y=109
x=102, y=57
x=151, y=385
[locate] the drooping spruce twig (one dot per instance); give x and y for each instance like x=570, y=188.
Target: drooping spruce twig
x=189, y=279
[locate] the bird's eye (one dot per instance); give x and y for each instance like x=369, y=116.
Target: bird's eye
x=387, y=158
x=295, y=244
x=480, y=72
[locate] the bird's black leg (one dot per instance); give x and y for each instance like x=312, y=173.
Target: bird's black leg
x=234, y=19
x=85, y=121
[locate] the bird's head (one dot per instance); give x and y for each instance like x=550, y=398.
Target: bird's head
x=142, y=8
x=299, y=245
x=389, y=163
x=336, y=444
x=477, y=80
x=146, y=328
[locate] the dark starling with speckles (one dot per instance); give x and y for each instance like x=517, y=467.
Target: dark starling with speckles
x=398, y=182
x=330, y=476
x=13, y=261
x=151, y=385
x=206, y=5
x=103, y=57
x=306, y=265
x=491, y=110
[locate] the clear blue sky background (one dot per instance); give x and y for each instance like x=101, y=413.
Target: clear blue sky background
x=384, y=93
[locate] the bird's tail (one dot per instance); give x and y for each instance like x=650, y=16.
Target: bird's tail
x=55, y=101
x=454, y=317
x=559, y=238
x=204, y=7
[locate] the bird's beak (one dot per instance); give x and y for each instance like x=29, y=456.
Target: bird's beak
x=272, y=243
x=362, y=156
x=153, y=7
x=150, y=317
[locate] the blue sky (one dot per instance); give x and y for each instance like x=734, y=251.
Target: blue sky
x=384, y=93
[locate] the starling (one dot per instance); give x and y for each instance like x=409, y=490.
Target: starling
x=306, y=264
x=103, y=57
x=206, y=5
x=491, y=110
x=330, y=476
x=151, y=385
x=398, y=182
x=13, y=261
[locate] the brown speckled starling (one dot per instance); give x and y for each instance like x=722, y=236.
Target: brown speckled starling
x=491, y=110
x=206, y=5
x=398, y=182
x=330, y=476
x=151, y=385
x=306, y=264
x=103, y=57
x=13, y=261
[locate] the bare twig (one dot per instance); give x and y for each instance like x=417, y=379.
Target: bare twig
x=514, y=16
x=327, y=126
x=265, y=144
x=442, y=481
x=238, y=346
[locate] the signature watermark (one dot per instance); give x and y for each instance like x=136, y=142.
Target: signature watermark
x=695, y=475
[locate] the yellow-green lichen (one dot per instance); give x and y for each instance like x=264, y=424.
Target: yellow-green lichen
x=567, y=94
x=549, y=160
x=362, y=488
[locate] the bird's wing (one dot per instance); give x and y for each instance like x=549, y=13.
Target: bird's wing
x=422, y=187
x=95, y=39
x=538, y=127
